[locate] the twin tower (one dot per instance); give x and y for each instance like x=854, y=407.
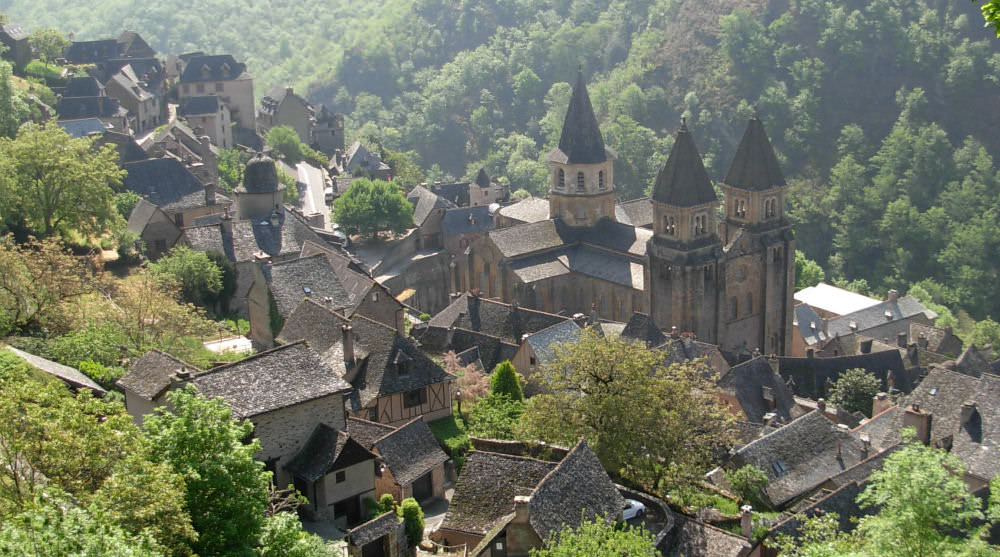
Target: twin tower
x=725, y=274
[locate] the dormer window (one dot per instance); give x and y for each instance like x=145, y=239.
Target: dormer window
x=561, y=179
x=205, y=71
x=600, y=179
x=579, y=181
x=225, y=69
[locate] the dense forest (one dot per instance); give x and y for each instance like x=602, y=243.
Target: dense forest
x=881, y=110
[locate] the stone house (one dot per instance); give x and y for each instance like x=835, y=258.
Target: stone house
x=141, y=90
x=158, y=232
x=106, y=109
x=428, y=211
x=411, y=462
x=224, y=77
x=166, y=183
x=480, y=192
x=15, y=38
x=149, y=379
x=728, y=282
x=195, y=150
x=210, y=115
x=132, y=45
x=511, y=504
x=282, y=107
x=382, y=536
x=328, y=131
x=537, y=350
x=92, y=52
x=813, y=377
x=756, y=393
x=359, y=161
x=285, y=392
x=336, y=474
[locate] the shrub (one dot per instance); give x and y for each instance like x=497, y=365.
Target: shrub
x=50, y=74
x=746, y=483
x=453, y=437
x=413, y=516
x=105, y=376
x=425, y=317
x=504, y=381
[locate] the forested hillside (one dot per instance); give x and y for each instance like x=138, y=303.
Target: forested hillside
x=881, y=110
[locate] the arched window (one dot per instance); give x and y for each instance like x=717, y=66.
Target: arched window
x=579, y=181
x=600, y=179
x=561, y=179
x=669, y=225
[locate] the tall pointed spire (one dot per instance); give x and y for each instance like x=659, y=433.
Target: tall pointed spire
x=683, y=181
x=755, y=167
x=581, y=141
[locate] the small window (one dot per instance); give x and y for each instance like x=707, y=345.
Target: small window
x=669, y=225
x=218, y=87
x=374, y=296
x=179, y=219
x=561, y=179
x=533, y=360
x=600, y=179
x=414, y=398
x=579, y=181
x=740, y=208
x=341, y=476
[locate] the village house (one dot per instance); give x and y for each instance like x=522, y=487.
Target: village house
x=224, y=77
x=195, y=150
x=71, y=376
x=328, y=131
x=210, y=115
x=756, y=392
x=149, y=379
x=537, y=350
x=382, y=536
x=512, y=503
x=106, y=109
x=16, y=39
x=359, y=161
x=411, y=462
x=140, y=87
x=91, y=52
x=157, y=231
x=282, y=107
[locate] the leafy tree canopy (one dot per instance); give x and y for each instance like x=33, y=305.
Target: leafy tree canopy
x=193, y=272
x=853, y=391
x=597, y=537
x=370, y=206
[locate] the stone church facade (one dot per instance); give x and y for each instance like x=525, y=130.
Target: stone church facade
x=724, y=273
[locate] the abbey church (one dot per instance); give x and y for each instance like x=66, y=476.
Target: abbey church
x=727, y=276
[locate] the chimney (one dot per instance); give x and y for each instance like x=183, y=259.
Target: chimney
x=454, y=296
x=593, y=313
x=522, y=509
x=210, y=194
x=821, y=405
x=772, y=361
x=921, y=421
x=866, y=444
x=893, y=296
x=913, y=354
x=756, y=352
x=746, y=521
x=901, y=339
x=401, y=322
x=348, y=336
x=450, y=336
x=770, y=418
x=810, y=353
x=880, y=403
x=866, y=346
x=968, y=411
x=674, y=332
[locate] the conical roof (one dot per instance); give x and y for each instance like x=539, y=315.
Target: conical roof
x=482, y=179
x=755, y=167
x=683, y=181
x=581, y=141
x=260, y=175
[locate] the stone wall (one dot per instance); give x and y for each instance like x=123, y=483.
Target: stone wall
x=283, y=432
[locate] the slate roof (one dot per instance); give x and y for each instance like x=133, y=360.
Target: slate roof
x=253, y=237
x=71, y=376
x=87, y=52
x=83, y=87
x=457, y=193
x=686, y=348
x=260, y=175
x=466, y=220
x=164, y=182
x=697, y=539
x=373, y=530
x=544, y=342
x=812, y=375
x=486, y=487
x=638, y=212
x=972, y=362
x=842, y=501
x=315, y=323
x=939, y=341
x=152, y=374
x=755, y=167
x=130, y=84
x=378, y=375
x=749, y=381
x=221, y=67
x=527, y=238
x=271, y=380
x=410, y=451
x=800, y=456
x=506, y=322
x=874, y=316
x=134, y=46
x=598, y=263
x=307, y=277
x=191, y=106
x=805, y=319
x=82, y=127
x=365, y=432
x=14, y=31
x=581, y=141
x=683, y=181
x=878, y=428
x=326, y=450
x=209, y=237
x=577, y=489
x=147, y=69
x=642, y=328
x=72, y=108
x=424, y=201
x=359, y=157
x=531, y=209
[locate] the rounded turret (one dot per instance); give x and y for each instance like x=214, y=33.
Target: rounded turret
x=260, y=175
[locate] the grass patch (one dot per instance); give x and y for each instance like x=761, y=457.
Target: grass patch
x=451, y=433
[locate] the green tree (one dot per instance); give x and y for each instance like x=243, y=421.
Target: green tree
x=853, y=391
x=807, y=272
x=495, y=417
x=282, y=536
x=504, y=382
x=48, y=44
x=369, y=206
x=597, y=537
x=13, y=110
x=991, y=13
x=405, y=171
x=230, y=163
x=39, y=278
x=125, y=202
x=197, y=276
x=226, y=489
x=413, y=516
x=747, y=483
x=57, y=183
x=985, y=332
x=286, y=142
x=599, y=388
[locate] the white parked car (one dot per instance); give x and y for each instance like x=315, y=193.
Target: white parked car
x=633, y=509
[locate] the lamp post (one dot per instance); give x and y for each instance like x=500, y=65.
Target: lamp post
x=458, y=395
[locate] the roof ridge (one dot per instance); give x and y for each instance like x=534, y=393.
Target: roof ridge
x=174, y=358
x=513, y=456
x=248, y=358
x=396, y=430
